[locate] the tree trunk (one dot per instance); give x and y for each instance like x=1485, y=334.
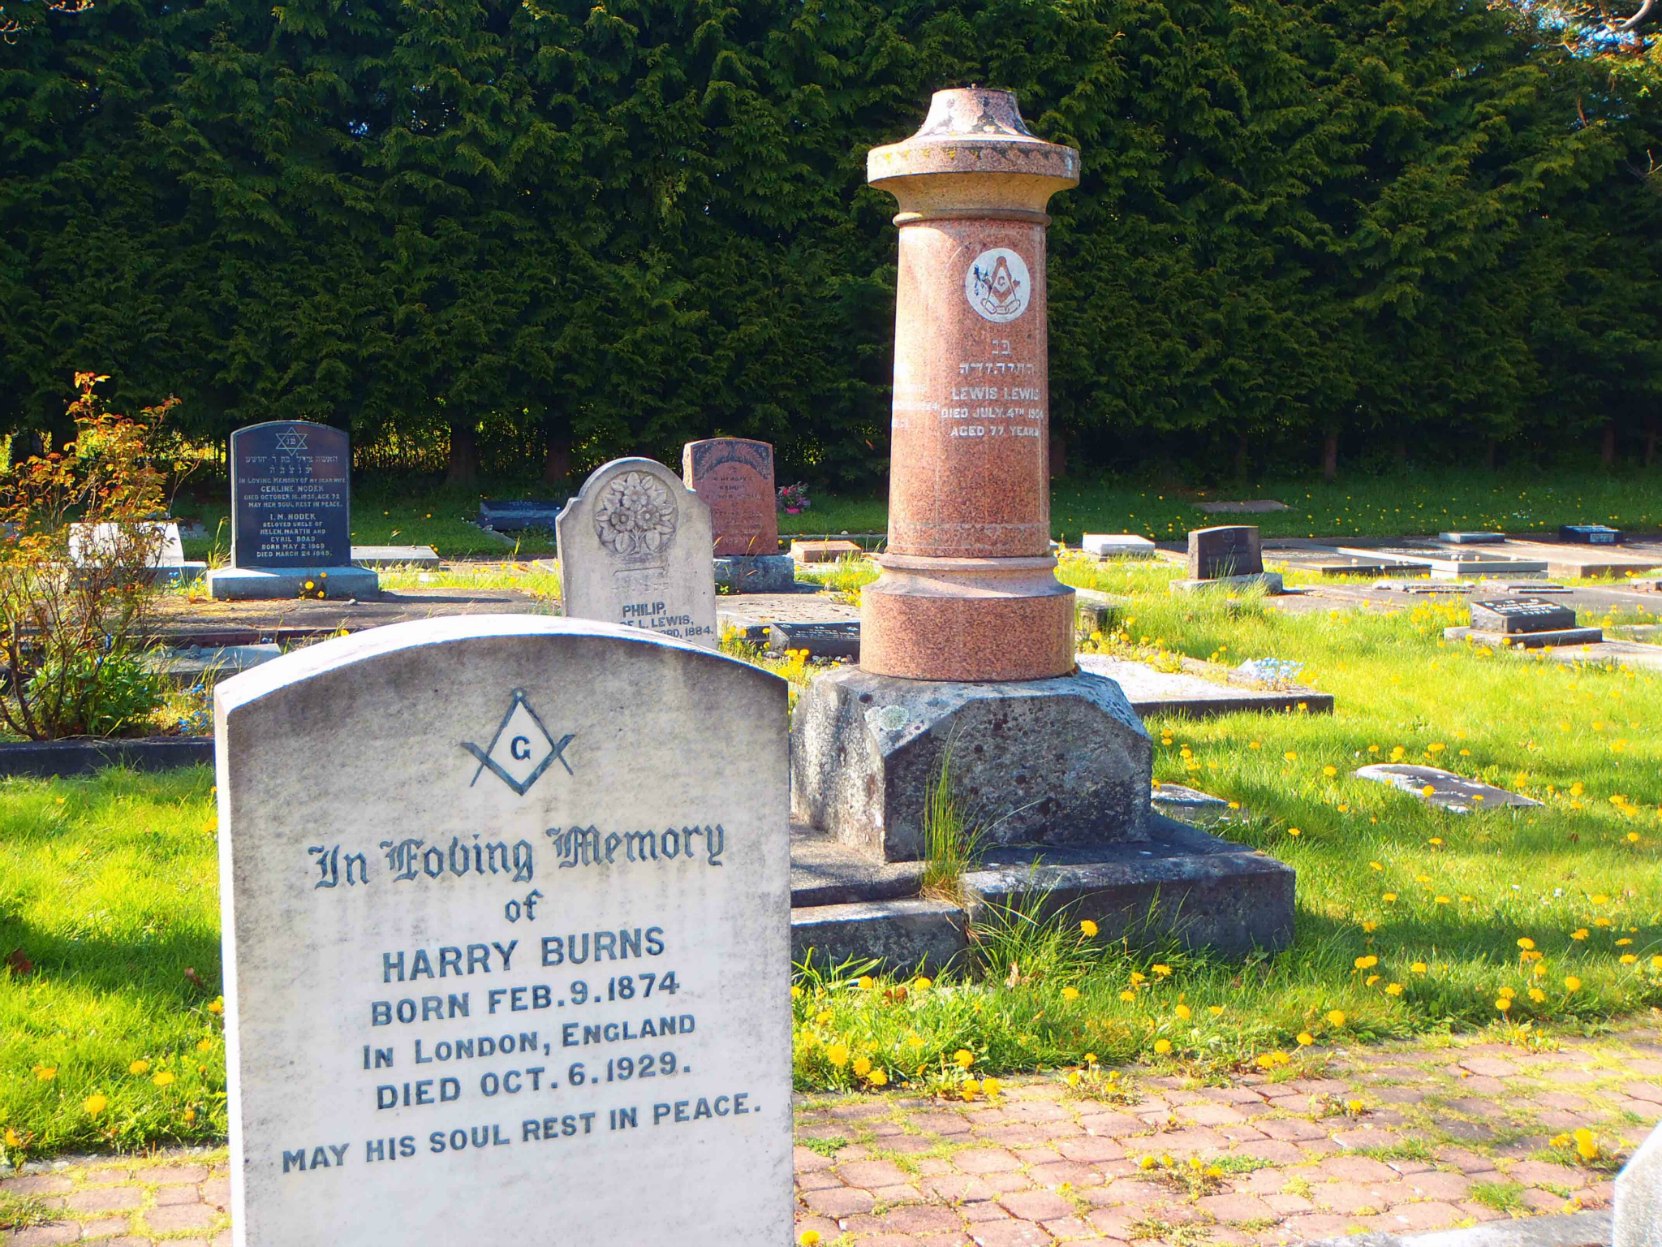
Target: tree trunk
x=556, y=462
x=1330, y=457
x=1058, y=455
x=1607, y=449
x=463, y=467
x=1241, y=461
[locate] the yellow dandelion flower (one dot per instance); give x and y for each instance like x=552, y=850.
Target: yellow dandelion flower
x=1291, y=755
x=1571, y=983
x=163, y=1079
x=1366, y=963
x=866, y=982
x=12, y=1138
x=1162, y=971
x=1162, y=1046
x=1183, y=1013
x=964, y=1058
x=837, y=1054
x=1390, y=896
x=1305, y=1039
x=808, y=1238
x=1503, y=1003
x=1294, y=832
x=95, y=1104
x=1336, y=1017
x=1070, y=994
x=1628, y=959
x=46, y=1073
x=140, y=1066
x=1330, y=771
x=1526, y=943
x=1087, y=928
x=991, y=1086
x=1393, y=989
x=1580, y=933
x=878, y=1078
x=1128, y=995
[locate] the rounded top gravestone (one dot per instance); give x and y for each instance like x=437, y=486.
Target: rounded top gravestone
x=506, y=915
x=968, y=590
x=290, y=495
x=635, y=550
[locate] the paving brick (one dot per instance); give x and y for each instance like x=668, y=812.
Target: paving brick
x=1036, y=1205
x=180, y=1217
x=1418, y=1218
x=168, y=1175
x=105, y=1199
x=985, y=1160
x=1011, y=1234
x=45, y=1235
x=166, y=1195
x=1090, y=1148
x=1235, y=1207
x=842, y=1201
x=1439, y=1184
x=36, y=1184
x=872, y=1174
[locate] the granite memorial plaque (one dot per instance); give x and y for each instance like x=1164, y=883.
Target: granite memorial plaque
x=1229, y=550
x=1590, y=534
x=820, y=640
x=635, y=550
x=734, y=477
x=1510, y=615
x=506, y=910
x=290, y=495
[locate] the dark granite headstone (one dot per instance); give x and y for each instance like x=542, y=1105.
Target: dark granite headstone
x=1229, y=550
x=290, y=485
x=1590, y=534
x=1513, y=615
x=821, y=640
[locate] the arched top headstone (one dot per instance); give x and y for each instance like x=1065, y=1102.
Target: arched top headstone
x=506, y=915
x=635, y=550
x=291, y=495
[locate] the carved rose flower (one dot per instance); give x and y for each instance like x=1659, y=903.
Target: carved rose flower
x=636, y=515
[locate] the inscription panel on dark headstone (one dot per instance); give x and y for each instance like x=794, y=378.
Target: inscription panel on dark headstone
x=290, y=488
x=1229, y=550
x=1521, y=615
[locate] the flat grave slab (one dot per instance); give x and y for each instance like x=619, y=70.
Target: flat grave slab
x=840, y=639
x=1331, y=561
x=1588, y=561
x=1184, y=693
x=755, y=613
x=1590, y=534
x=1520, y=614
x=1422, y=588
x=1448, y=560
x=186, y=666
x=515, y=515
x=1189, y=805
x=1248, y=506
x=1551, y=638
x=395, y=556
x=1471, y=538
x=1117, y=546
x=1448, y=791
x=827, y=551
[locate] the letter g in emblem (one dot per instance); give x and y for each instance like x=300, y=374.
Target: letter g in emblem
x=520, y=748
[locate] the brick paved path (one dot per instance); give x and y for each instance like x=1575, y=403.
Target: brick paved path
x=1448, y=1134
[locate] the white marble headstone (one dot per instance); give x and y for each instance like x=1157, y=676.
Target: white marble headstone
x=104, y=542
x=635, y=550
x=506, y=909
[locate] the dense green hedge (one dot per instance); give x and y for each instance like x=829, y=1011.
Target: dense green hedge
x=1402, y=226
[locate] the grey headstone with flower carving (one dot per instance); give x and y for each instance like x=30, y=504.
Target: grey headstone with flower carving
x=635, y=550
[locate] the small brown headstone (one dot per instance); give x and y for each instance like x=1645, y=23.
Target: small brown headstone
x=734, y=477
x=824, y=551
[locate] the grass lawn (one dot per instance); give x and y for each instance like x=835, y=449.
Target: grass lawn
x=387, y=512
x=1409, y=919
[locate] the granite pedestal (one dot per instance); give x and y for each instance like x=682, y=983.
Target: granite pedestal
x=1042, y=762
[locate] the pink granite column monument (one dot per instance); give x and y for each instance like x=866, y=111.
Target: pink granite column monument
x=968, y=590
